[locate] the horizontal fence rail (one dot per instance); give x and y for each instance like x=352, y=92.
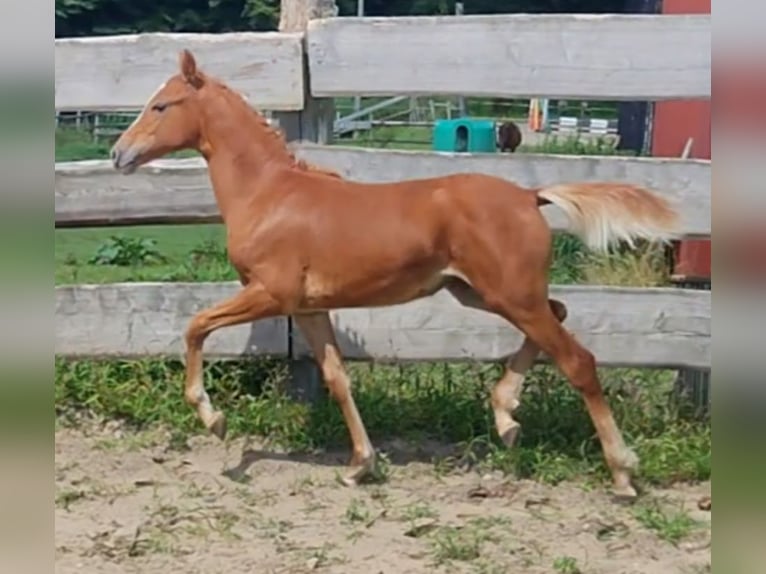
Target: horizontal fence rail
x=92, y=193
x=122, y=72
x=662, y=328
x=608, y=57
x=133, y=320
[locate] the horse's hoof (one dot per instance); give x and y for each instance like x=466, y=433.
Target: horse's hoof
x=624, y=493
x=218, y=426
x=508, y=436
x=359, y=471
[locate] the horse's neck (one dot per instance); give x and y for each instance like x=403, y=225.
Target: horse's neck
x=239, y=147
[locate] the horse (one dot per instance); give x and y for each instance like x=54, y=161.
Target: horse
x=508, y=136
x=305, y=240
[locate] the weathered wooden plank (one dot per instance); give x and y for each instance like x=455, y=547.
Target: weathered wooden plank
x=622, y=326
x=661, y=328
x=92, y=193
x=122, y=72
x=613, y=56
x=132, y=320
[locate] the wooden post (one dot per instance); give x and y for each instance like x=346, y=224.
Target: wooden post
x=313, y=123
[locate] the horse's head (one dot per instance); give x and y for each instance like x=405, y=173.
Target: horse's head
x=170, y=120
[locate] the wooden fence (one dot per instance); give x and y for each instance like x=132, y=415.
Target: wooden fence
x=607, y=57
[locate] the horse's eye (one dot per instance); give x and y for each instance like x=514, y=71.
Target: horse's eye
x=159, y=107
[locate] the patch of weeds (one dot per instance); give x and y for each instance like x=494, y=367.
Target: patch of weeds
x=489, y=566
x=382, y=471
x=194, y=490
x=357, y=511
x=683, y=451
x=223, y=523
x=126, y=251
x=65, y=497
x=455, y=543
x=644, y=266
x=574, y=145
x=489, y=522
x=569, y=257
x=378, y=494
x=322, y=556
x=566, y=565
x=546, y=466
x=671, y=526
x=178, y=441
x=301, y=485
x=208, y=261
x=418, y=511
x=272, y=528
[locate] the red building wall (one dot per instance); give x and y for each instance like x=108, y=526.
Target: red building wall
x=673, y=123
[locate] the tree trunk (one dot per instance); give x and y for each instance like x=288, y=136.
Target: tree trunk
x=294, y=15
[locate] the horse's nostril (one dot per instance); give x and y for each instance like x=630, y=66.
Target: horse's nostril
x=113, y=154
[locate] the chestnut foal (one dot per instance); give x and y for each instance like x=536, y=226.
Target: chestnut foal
x=305, y=241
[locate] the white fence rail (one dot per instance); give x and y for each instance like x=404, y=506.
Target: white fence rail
x=608, y=57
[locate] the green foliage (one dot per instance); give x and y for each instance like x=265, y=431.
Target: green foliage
x=672, y=526
x=566, y=565
x=68, y=8
x=98, y=17
x=447, y=403
x=127, y=251
x=445, y=7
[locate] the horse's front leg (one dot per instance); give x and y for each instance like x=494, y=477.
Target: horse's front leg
x=250, y=304
x=317, y=329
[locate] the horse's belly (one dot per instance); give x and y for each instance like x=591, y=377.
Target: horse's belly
x=375, y=288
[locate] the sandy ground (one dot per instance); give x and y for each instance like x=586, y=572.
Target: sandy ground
x=128, y=503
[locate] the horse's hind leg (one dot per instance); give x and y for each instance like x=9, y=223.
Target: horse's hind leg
x=578, y=364
x=506, y=393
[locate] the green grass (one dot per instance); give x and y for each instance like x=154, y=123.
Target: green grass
x=191, y=252
x=77, y=145
x=447, y=403
x=670, y=525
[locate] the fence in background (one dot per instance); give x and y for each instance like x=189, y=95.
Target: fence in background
x=604, y=57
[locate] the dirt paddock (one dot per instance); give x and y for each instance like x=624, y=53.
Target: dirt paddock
x=128, y=503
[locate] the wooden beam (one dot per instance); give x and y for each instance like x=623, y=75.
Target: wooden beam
x=610, y=56
x=122, y=72
x=92, y=193
x=314, y=122
x=636, y=327
x=622, y=326
x=133, y=320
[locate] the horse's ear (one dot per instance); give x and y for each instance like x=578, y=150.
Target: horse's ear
x=189, y=69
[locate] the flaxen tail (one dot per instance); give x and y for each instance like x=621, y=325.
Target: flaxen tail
x=605, y=213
